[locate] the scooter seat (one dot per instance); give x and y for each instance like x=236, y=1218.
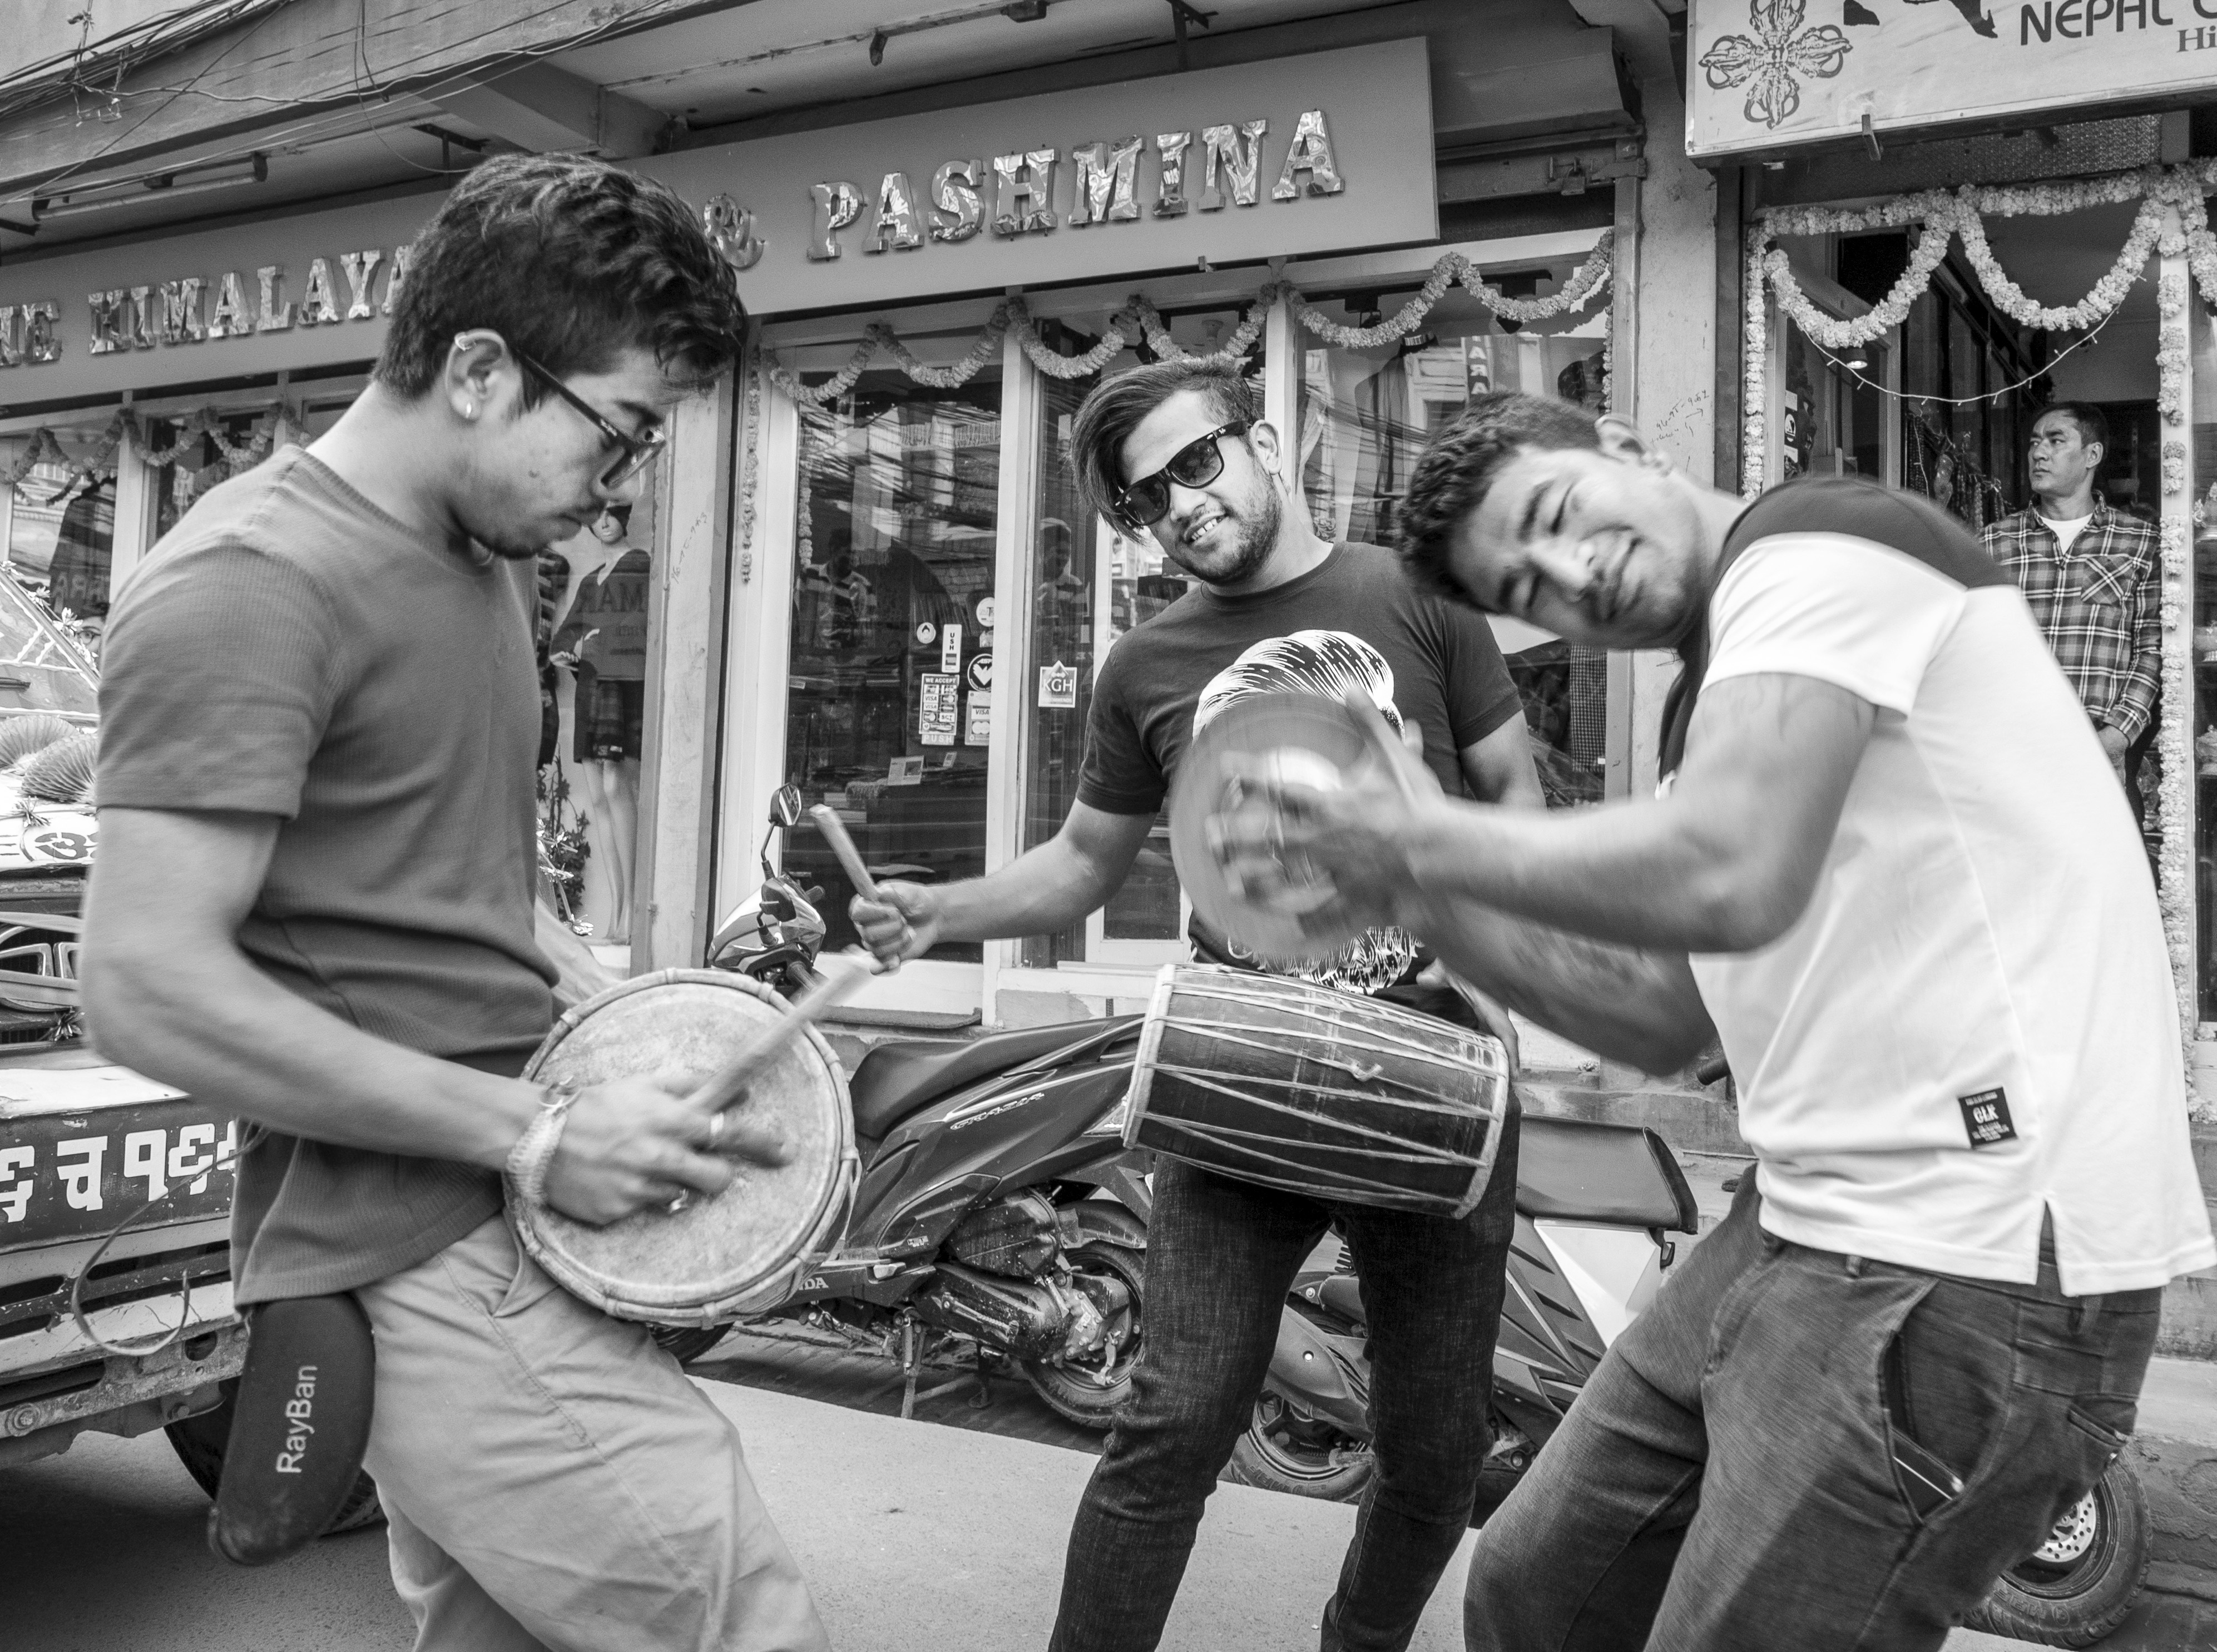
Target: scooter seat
x=903, y=1076
x=1580, y=1170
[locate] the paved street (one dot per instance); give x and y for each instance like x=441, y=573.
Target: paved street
x=916, y=1538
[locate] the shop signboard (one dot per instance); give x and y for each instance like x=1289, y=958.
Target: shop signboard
x=1322, y=152
x=276, y=295
x=1766, y=75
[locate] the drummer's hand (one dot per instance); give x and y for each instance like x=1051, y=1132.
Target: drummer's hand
x=634, y=1144
x=903, y=923
x=1336, y=857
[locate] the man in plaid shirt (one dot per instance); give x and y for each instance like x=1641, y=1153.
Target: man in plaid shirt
x=2091, y=575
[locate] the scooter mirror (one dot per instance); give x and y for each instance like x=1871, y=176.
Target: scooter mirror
x=785, y=806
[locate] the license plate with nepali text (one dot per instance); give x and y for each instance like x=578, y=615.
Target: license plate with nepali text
x=81, y=1150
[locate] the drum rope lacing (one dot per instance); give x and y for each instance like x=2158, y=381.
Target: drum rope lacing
x=1242, y=1033
x=1208, y=1078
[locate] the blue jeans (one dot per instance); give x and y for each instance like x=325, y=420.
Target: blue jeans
x=1729, y=1478
x=1221, y=1255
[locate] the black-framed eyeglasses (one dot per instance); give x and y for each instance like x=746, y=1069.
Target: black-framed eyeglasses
x=1141, y=505
x=633, y=453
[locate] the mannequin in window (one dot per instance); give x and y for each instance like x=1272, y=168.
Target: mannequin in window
x=600, y=651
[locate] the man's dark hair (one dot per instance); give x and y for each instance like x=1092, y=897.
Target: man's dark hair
x=1458, y=470
x=1117, y=405
x=570, y=260
x=2092, y=425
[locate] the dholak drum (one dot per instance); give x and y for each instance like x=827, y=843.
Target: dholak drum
x=741, y=1250
x=1316, y=1090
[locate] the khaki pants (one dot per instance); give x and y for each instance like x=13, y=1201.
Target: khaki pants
x=553, y=1479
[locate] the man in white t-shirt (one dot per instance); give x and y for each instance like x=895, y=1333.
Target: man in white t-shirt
x=2092, y=575
x=1888, y=869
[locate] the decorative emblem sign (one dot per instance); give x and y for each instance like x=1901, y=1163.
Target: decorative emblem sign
x=1774, y=73
x=1772, y=63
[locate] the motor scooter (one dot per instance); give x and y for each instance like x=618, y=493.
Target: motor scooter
x=996, y=1203
x=1595, y=1204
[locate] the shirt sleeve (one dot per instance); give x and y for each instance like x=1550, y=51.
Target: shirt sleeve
x=1844, y=610
x=2135, y=702
x=1120, y=776
x=219, y=674
x=1480, y=694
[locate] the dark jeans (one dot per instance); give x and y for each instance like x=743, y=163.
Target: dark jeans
x=1726, y=1481
x=1221, y=1256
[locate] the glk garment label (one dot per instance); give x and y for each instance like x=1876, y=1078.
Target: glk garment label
x=1986, y=1118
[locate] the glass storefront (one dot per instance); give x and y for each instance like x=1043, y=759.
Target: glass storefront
x=1076, y=614
x=61, y=532
x=950, y=606
x=1365, y=418
x=892, y=609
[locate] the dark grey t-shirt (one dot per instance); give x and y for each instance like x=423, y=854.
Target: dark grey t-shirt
x=1352, y=621
x=289, y=649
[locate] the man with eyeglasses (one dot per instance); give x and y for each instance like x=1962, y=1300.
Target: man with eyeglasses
x=314, y=907
x=1177, y=449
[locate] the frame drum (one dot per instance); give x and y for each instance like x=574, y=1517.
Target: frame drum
x=741, y=1250
x=1319, y=1091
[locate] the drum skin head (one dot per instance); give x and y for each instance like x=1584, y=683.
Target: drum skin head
x=735, y=1251
x=1304, y=737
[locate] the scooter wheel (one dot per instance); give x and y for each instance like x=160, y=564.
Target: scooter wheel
x=1279, y=1452
x=1089, y=1395
x=2085, y=1577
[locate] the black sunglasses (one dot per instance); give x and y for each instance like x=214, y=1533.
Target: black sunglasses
x=1140, y=505
x=633, y=453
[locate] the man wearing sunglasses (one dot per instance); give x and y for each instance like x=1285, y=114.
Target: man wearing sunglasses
x=1177, y=450
x=314, y=909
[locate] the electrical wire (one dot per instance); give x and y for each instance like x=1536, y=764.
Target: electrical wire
x=332, y=121
x=1856, y=372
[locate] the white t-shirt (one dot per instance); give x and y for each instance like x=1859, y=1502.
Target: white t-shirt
x=1974, y=1019
x=2066, y=531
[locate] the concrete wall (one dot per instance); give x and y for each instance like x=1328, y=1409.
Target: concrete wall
x=1676, y=343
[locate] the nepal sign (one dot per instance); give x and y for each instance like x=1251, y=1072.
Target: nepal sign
x=1767, y=75
x=1322, y=152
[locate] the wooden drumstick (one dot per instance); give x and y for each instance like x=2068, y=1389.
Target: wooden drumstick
x=842, y=973
x=850, y=858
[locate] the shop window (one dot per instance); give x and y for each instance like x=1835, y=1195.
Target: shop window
x=893, y=601
x=1365, y=418
x=196, y=452
x=594, y=592
x=61, y=540
x=1088, y=586
x=1835, y=411
x=60, y=526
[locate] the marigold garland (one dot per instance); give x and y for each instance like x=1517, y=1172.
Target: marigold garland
x=1138, y=318
x=45, y=447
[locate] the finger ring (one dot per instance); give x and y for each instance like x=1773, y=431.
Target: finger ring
x=679, y=1203
x=715, y=1127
